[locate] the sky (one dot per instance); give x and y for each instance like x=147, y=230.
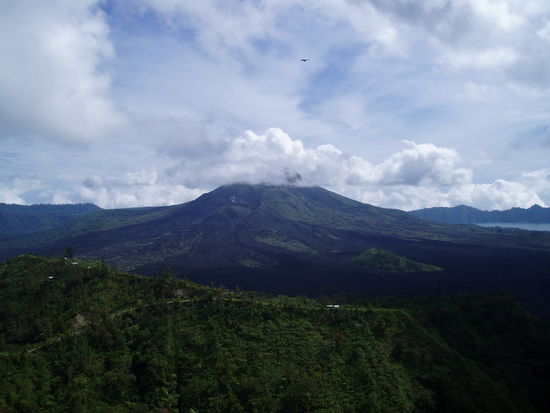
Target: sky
x=401, y=104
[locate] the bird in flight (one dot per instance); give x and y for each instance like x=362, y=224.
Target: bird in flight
x=304, y=60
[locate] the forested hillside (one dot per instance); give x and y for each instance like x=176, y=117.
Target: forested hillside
x=77, y=336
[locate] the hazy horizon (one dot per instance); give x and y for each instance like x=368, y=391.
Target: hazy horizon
x=266, y=184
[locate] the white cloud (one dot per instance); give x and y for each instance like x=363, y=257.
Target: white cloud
x=222, y=25
x=57, y=197
x=52, y=80
x=421, y=175
x=500, y=194
x=146, y=178
x=138, y=188
x=480, y=59
x=424, y=164
x=265, y=157
x=538, y=181
x=276, y=158
x=13, y=190
x=480, y=34
x=10, y=195
x=223, y=69
x=497, y=12
x=544, y=33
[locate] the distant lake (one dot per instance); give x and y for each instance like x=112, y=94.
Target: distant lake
x=530, y=226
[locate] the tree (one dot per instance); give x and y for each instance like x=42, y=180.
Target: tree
x=69, y=252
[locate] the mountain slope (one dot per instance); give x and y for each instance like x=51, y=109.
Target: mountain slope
x=302, y=240
x=468, y=215
x=236, y=222
x=95, y=339
x=25, y=219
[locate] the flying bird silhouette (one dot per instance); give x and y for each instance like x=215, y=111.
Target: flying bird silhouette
x=304, y=60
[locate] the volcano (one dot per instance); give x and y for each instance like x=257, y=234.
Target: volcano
x=300, y=240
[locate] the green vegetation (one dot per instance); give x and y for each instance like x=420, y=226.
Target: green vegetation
x=247, y=262
x=280, y=241
x=86, y=338
x=380, y=259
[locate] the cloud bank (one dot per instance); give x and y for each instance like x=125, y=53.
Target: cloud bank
x=418, y=176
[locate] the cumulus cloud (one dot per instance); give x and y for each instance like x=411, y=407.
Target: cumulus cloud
x=10, y=195
x=52, y=76
x=12, y=190
x=137, y=188
x=538, y=181
x=57, y=197
x=506, y=36
x=500, y=194
x=424, y=164
x=422, y=175
x=418, y=176
x=268, y=157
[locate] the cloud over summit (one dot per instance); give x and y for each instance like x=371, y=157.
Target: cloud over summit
x=411, y=178
x=266, y=158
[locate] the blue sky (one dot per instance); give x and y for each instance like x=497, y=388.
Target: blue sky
x=153, y=102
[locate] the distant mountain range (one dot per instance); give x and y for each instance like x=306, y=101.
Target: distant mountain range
x=463, y=214
x=297, y=240
x=26, y=219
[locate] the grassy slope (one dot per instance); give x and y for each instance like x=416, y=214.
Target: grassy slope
x=101, y=340
x=376, y=258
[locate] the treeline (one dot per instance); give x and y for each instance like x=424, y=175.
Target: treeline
x=78, y=336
